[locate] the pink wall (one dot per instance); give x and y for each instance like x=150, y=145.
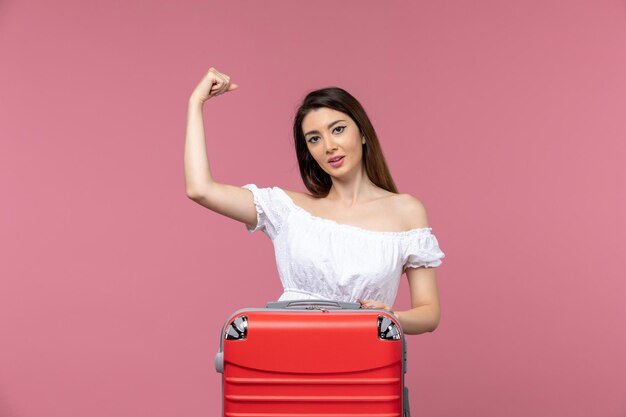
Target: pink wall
x=505, y=118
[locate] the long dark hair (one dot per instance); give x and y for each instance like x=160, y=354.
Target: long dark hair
x=315, y=179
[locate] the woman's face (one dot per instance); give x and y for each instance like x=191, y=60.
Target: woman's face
x=329, y=134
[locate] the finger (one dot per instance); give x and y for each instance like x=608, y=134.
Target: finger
x=215, y=87
x=224, y=84
x=222, y=87
x=227, y=85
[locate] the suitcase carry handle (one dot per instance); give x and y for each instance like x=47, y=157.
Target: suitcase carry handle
x=308, y=304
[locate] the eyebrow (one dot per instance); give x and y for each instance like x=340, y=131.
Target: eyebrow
x=329, y=126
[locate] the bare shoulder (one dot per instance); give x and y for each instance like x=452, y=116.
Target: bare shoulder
x=298, y=197
x=413, y=211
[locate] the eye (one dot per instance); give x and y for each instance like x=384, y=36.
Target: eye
x=314, y=139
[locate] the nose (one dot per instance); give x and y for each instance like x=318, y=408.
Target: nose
x=330, y=145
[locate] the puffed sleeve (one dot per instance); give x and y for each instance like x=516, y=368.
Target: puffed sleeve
x=422, y=249
x=271, y=210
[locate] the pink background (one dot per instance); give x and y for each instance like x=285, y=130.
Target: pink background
x=505, y=118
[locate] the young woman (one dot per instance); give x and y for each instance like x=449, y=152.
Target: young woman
x=354, y=235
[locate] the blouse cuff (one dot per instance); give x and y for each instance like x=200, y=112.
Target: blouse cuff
x=259, y=210
x=424, y=251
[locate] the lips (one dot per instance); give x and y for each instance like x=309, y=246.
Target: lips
x=335, y=158
x=337, y=163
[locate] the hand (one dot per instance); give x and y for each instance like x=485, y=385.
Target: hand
x=212, y=84
x=375, y=304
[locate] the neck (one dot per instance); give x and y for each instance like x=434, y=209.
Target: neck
x=352, y=191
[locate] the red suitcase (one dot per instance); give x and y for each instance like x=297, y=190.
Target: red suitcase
x=313, y=358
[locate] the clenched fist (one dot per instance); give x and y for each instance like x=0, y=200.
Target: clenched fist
x=212, y=84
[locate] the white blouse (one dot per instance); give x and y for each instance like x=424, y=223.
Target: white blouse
x=318, y=258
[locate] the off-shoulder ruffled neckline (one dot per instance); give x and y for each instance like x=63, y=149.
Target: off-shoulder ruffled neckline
x=352, y=227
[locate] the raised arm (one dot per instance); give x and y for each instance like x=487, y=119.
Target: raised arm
x=228, y=200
